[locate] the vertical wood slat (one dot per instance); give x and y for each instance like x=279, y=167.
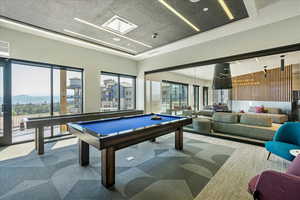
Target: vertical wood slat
x=276, y=87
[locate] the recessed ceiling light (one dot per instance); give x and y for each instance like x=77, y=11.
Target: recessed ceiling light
x=100, y=41
x=109, y=31
x=194, y=1
x=205, y=9
x=116, y=39
x=119, y=25
x=226, y=9
x=179, y=15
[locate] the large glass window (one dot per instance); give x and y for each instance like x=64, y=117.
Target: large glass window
x=40, y=90
x=31, y=97
x=117, y=92
x=174, y=96
x=127, y=93
x=67, y=95
x=67, y=92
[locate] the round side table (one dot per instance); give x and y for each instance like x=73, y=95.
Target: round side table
x=295, y=152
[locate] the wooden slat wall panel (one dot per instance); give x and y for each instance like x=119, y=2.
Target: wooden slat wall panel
x=277, y=86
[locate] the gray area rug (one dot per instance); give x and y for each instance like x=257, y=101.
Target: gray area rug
x=157, y=171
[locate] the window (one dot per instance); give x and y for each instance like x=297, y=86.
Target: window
x=117, y=92
x=40, y=90
x=174, y=96
x=67, y=91
x=205, y=96
x=196, y=97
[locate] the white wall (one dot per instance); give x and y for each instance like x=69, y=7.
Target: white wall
x=33, y=48
x=282, y=33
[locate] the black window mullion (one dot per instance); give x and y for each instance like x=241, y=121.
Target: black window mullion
x=51, y=92
x=51, y=98
x=119, y=98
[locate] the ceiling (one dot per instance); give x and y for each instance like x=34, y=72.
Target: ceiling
x=243, y=66
x=260, y=4
x=150, y=16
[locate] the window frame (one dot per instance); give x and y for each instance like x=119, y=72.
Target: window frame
x=8, y=62
x=119, y=76
x=205, y=94
x=196, y=87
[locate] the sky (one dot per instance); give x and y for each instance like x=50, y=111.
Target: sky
x=35, y=81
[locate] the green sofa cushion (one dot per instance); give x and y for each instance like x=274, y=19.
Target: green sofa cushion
x=256, y=120
x=226, y=117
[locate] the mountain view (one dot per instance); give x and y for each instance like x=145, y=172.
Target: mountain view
x=26, y=99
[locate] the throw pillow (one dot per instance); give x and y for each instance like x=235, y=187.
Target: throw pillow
x=259, y=109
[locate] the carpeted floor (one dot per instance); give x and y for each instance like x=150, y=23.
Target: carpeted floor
x=156, y=172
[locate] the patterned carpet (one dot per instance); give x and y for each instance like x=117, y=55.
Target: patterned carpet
x=156, y=172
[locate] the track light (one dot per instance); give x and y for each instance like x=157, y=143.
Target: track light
x=282, y=64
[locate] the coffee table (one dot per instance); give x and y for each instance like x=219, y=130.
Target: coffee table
x=295, y=152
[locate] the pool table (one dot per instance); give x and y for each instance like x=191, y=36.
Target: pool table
x=110, y=135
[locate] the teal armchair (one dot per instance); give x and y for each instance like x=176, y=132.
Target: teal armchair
x=286, y=138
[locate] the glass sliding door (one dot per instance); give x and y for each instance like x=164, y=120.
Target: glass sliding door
x=67, y=95
x=31, y=97
x=166, y=97
x=174, y=97
x=184, y=100
x=30, y=89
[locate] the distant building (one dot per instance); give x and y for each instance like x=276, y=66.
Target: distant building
x=110, y=97
x=76, y=97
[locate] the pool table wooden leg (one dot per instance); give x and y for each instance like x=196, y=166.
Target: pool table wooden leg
x=84, y=153
x=179, y=139
x=108, y=167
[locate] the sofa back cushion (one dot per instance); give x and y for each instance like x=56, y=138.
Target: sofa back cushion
x=226, y=117
x=252, y=109
x=259, y=109
x=256, y=120
x=272, y=110
x=294, y=167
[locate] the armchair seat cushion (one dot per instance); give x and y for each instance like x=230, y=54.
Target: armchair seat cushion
x=252, y=184
x=281, y=149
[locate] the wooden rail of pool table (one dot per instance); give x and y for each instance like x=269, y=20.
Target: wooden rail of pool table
x=39, y=123
x=108, y=145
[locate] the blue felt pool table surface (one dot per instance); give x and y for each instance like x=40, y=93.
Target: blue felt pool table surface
x=115, y=125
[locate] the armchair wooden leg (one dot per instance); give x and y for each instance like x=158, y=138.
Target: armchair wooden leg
x=269, y=155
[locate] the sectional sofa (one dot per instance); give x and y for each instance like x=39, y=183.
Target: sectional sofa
x=246, y=125
x=275, y=113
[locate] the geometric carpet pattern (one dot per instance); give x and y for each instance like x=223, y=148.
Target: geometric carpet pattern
x=155, y=171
